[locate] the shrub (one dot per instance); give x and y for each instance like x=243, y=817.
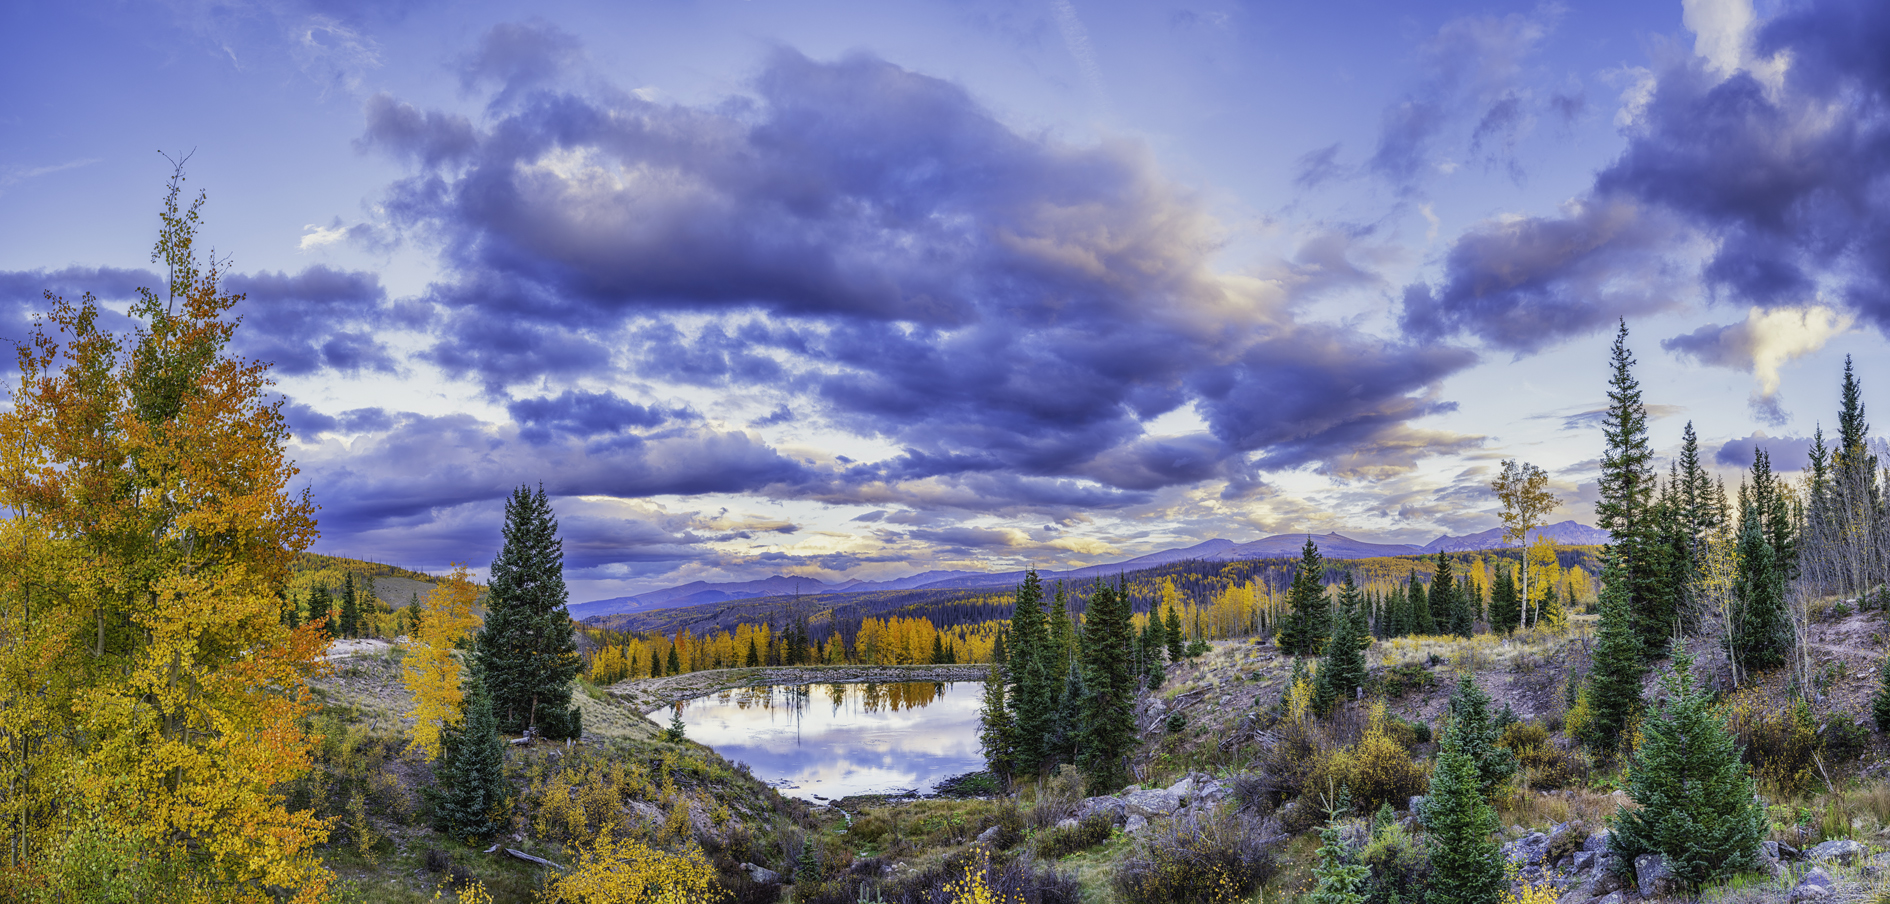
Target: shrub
x=1057, y=843
x=1009, y=822
x=623, y=871
x=1781, y=742
x=1217, y=858
x=1845, y=738
x=1378, y=770
x=1399, y=863
x=1545, y=767
x=1400, y=680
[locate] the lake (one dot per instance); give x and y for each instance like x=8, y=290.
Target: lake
x=826, y=741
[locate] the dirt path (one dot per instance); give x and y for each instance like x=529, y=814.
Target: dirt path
x=650, y=694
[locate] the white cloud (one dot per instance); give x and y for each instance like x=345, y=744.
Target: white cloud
x=318, y=236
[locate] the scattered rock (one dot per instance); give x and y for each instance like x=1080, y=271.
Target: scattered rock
x=1067, y=823
x=1653, y=877
x=761, y=874
x=1598, y=842
x=1112, y=807
x=1583, y=861
x=1152, y=804
x=1843, y=851
x=1816, y=884
x=1135, y=824
x=1613, y=897
x=990, y=836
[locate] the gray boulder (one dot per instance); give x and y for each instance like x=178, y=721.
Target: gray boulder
x=761, y=874
x=1842, y=851
x=1152, y=804
x=1067, y=823
x=1653, y=877
x=1814, y=885
x=1583, y=861
x=1598, y=841
x=1135, y=824
x=990, y=835
x=1112, y=807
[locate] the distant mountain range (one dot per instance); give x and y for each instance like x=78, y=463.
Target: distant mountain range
x=1332, y=546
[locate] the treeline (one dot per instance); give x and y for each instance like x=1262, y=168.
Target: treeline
x=618, y=655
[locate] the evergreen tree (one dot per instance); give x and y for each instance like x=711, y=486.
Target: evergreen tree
x=656, y=665
x=1339, y=878
x=938, y=649
x=1697, y=807
x=1466, y=863
x=674, y=664
x=1343, y=672
x=1505, y=603
x=996, y=732
x=1397, y=618
x=350, y=609
x=1109, y=680
x=1172, y=635
x=321, y=608
x=1627, y=496
x=1308, y=620
x=1155, y=653
x=1473, y=731
x=1422, y=621
x=1761, y=630
x=414, y=615
x=1446, y=607
x=470, y=791
x=527, y=649
x=291, y=611
x=754, y=655
x=1614, y=678
x=1880, y=702
x=1030, y=694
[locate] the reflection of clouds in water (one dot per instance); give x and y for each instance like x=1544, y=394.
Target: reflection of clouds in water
x=835, y=740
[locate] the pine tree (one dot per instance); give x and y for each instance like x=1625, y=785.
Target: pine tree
x=1627, y=496
x=470, y=791
x=674, y=665
x=1505, y=604
x=1446, y=607
x=1172, y=636
x=528, y=649
x=350, y=609
x=1339, y=878
x=1472, y=731
x=321, y=609
x=1466, y=863
x=1697, y=806
x=1614, y=678
x=1422, y=620
x=1155, y=653
x=1108, y=725
x=1880, y=702
x=754, y=655
x=1029, y=695
x=1761, y=632
x=1397, y=618
x=997, y=735
x=1343, y=671
x=1308, y=621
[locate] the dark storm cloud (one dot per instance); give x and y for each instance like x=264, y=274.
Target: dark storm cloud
x=1005, y=309
x=28, y=287
x=1787, y=453
x=1522, y=285
x=587, y=414
x=1786, y=182
x=320, y=318
x=419, y=466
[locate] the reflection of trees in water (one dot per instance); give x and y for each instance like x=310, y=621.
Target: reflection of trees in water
x=900, y=696
x=873, y=698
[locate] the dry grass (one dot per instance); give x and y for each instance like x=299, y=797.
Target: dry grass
x=1482, y=653
x=1541, y=809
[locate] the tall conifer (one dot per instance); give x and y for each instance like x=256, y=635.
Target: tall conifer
x=527, y=649
x=470, y=790
x=1308, y=619
x=1627, y=495
x=1109, y=686
x=1505, y=602
x=1423, y=620
x=1473, y=731
x=1343, y=671
x=1466, y=863
x=1614, y=678
x=350, y=625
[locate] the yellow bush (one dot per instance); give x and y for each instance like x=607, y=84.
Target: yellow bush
x=623, y=871
x=1377, y=770
x=974, y=888
x=1781, y=741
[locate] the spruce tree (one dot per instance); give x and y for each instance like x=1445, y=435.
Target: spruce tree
x=1473, y=731
x=1446, y=604
x=1627, y=497
x=996, y=732
x=1505, y=602
x=470, y=791
x=1697, y=806
x=1109, y=684
x=1343, y=671
x=1173, y=635
x=754, y=655
x=1155, y=653
x=321, y=609
x=1029, y=694
x=1761, y=630
x=1397, y=613
x=1614, y=678
x=350, y=609
x=1422, y=620
x=527, y=649
x=1880, y=702
x=1308, y=619
x=674, y=665
x=1466, y=863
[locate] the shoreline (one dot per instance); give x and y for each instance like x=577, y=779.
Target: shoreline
x=647, y=695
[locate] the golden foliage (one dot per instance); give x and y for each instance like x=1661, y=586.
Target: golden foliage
x=147, y=673
x=1377, y=770
x=975, y=888
x=431, y=670
x=614, y=870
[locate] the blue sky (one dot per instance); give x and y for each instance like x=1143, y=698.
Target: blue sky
x=859, y=289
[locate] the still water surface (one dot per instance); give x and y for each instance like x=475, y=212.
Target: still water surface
x=831, y=740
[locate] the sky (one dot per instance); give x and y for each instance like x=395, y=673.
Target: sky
x=861, y=289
